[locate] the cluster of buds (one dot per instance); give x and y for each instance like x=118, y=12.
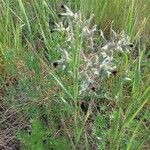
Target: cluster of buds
x=97, y=61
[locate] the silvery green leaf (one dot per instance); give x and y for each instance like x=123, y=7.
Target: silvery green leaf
x=60, y=27
x=109, y=46
x=95, y=71
x=68, y=12
x=114, y=35
x=104, y=39
x=84, y=87
x=104, y=54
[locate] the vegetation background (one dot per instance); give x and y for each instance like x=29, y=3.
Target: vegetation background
x=40, y=106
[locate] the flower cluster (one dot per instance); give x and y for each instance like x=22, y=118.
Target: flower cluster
x=96, y=61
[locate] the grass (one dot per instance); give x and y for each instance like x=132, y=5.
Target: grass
x=51, y=98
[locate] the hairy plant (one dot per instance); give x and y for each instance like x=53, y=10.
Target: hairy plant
x=96, y=61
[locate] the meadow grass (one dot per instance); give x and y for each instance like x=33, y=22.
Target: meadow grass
x=45, y=101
